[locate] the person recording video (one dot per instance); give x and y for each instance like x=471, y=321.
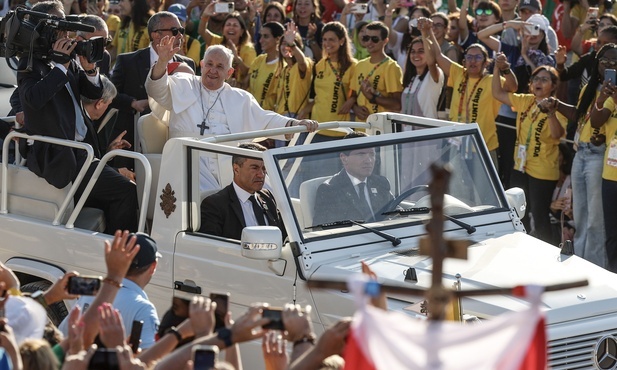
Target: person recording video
x=50, y=87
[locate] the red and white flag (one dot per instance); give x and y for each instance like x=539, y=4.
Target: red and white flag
x=381, y=340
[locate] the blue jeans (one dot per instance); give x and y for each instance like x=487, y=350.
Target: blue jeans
x=609, y=198
x=589, y=239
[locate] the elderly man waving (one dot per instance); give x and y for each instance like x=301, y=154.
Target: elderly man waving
x=206, y=104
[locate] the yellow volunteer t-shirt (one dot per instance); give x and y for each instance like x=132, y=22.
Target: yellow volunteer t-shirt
x=610, y=167
x=194, y=50
x=385, y=76
x=292, y=89
x=533, y=131
x=584, y=130
x=246, y=52
x=126, y=40
x=113, y=23
x=473, y=102
x=330, y=95
x=263, y=80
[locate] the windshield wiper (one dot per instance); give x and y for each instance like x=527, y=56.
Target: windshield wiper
x=391, y=238
x=421, y=210
x=408, y=211
x=470, y=228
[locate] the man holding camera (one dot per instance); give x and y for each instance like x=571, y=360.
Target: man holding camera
x=49, y=93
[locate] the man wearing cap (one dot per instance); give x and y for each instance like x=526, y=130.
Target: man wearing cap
x=242, y=203
x=191, y=47
x=132, y=301
x=131, y=69
x=527, y=8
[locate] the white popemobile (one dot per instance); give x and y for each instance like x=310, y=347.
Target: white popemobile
x=44, y=234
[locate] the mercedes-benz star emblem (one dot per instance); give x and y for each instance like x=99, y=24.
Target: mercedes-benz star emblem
x=605, y=353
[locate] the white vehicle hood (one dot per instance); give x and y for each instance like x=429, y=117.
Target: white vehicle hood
x=507, y=261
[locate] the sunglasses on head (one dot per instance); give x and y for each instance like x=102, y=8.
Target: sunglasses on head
x=375, y=39
x=174, y=30
x=480, y=12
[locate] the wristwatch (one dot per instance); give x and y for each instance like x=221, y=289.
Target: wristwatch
x=38, y=296
x=224, y=334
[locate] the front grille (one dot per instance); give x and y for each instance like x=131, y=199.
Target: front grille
x=575, y=352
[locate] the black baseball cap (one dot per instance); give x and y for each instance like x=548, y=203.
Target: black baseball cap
x=148, y=252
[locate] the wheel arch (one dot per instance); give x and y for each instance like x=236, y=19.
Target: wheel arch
x=29, y=270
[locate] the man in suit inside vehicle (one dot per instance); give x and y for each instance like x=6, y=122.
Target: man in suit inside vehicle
x=49, y=94
x=242, y=203
x=131, y=69
x=354, y=193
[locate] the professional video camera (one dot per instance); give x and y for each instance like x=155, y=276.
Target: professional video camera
x=26, y=32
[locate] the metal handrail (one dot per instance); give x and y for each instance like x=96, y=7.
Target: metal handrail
x=70, y=223
x=50, y=140
x=281, y=131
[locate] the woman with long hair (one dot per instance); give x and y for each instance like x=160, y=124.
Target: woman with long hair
x=133, y=32
x=309, y=25
x=538, y=131
x=604, y=118
x=333, y=72
x=265, y=69
x=273, y=12
x=422, y=80
x=235, y=37
x=590, y=144
x=399, y=42
x=472, y=100
x=531, y=52
x=296, y=71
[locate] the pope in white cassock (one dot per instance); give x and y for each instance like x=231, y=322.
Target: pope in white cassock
x=206, y=105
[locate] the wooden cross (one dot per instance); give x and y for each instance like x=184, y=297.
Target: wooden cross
x=438, y=248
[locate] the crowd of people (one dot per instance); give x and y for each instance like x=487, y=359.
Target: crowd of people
x=499, y=64
x=97, y=333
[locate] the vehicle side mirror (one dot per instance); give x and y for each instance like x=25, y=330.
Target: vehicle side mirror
x=516, y=199
x=261, y=242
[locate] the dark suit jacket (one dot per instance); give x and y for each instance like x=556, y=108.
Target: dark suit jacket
x=129, y=75
x=221, y=213
x=338, y=200
x=49, y=110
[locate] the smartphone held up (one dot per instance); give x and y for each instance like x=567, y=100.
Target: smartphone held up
x=204, y=357
x=84, y=285
x=222, y=306
x=610, y=76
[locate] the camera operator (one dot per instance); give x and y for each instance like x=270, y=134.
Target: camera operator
x=100, y=29
x=49, y=94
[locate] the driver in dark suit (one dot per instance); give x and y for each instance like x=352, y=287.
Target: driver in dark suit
x=242, y=203
x=354, y=193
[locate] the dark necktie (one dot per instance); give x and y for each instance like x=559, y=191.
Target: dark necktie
x=363, y=205
x=258, y=211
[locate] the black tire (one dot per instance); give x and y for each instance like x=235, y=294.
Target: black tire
x=57, y=311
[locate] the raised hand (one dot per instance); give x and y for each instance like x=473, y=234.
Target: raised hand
x=561, y=55
x=111, y=326
x=290, y=33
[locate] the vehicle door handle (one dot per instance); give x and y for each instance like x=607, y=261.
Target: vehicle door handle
x=187, y=286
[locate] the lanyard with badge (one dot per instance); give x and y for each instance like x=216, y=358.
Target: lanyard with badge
x=611, y=159
x=462, y=91
x=521, y=152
